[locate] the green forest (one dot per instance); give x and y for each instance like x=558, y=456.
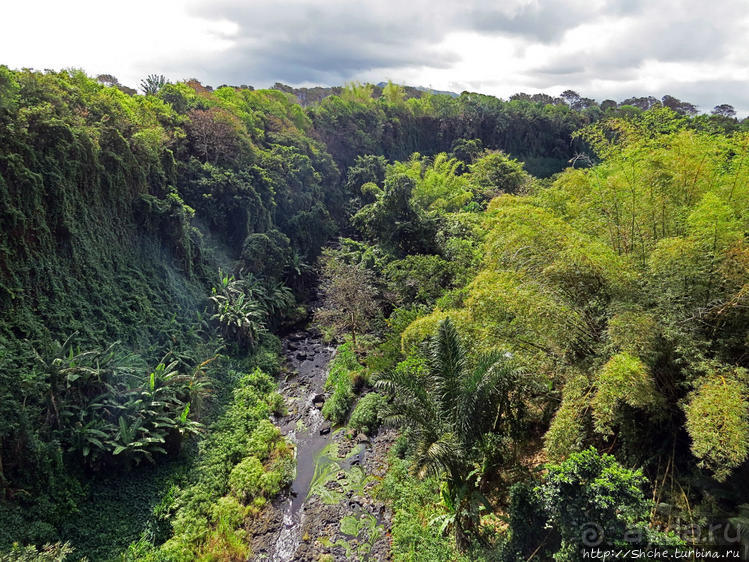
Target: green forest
x=543, y=300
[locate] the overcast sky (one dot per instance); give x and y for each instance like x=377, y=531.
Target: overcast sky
x=692, y=49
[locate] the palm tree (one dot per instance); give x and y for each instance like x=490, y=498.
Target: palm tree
x=152, y=83
x=450, y=410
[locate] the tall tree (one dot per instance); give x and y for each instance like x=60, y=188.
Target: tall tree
x=724, y=110
x=349, y=298
x=451, y=410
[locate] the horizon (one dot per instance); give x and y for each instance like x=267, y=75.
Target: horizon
x=435, y=91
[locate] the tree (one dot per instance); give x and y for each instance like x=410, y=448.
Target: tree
x=110, y=80
x=349, y=299
x=570, y=97
x=590, y=498
x=681, y=107
x=451, y=410
x=393, y=93
x=717, y=420
x=214, y=135
x=497, y=173
x=367, y=168
x=397, y=224
x=724, y=110
x=643, y=103
x=467, y=150
x=240, y=317
x=152, y=83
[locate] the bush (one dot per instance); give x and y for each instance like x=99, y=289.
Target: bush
x=367, y=416
x=277, y=404
x=337, y=406
x=417, y=505
x=229, y=460
x=263, y=438
x=591, y=496
x=244, y=479
x=56, y=552
x=344, y=370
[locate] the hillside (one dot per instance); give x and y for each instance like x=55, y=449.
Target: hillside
x=528, y=298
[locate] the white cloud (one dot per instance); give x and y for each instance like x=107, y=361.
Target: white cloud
x=122, y=38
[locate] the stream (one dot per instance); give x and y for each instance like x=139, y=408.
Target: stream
x=329, y=511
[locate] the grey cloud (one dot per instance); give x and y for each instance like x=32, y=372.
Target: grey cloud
x=296, y=41
x=332, y=41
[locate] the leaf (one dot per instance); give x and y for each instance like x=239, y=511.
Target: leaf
x=350, y=525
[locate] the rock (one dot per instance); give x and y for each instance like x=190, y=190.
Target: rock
x=301, y=356
x=324, y=430
x=318, y=401
x=362, y=438
x=292, y=346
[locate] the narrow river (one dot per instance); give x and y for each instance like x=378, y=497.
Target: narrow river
x=329, y=509
x=308, y=359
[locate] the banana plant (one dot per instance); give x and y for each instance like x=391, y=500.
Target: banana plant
x=241, y=319
x=185, y=425
x=89, y=438
x=135, y=440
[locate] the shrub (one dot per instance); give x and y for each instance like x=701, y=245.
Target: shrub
x=277, y=404
x=337, y=406
x=592, y=497
x=367, y=415
x=245, y=478
x=263, y=438
x=344, y=370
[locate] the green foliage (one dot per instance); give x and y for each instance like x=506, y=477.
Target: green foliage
x=617, y=284
x=57, y=552
x=395, y=222
x=418, y=279
x=450, y=410
x=718, y=422
x=566, y=433
x=624, y=379
x=152, y=83
x=590, y=497
x=243, y=454
x=245, y=477
x=496, y=173
x=344, y=369
x=368, y=414
x=416, y=502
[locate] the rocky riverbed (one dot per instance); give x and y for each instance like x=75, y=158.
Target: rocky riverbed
x=330, y=512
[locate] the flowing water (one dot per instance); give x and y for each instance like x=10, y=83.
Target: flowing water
x=308, y=359
x=329, y=508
